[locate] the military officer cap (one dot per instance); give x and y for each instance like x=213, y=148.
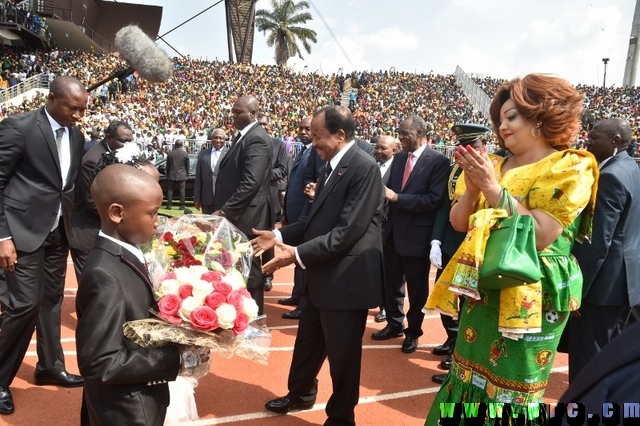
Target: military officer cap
x=468, y=133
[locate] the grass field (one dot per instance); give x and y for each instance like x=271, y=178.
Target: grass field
x=174, y=212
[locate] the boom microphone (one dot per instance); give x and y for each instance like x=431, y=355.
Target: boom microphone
x=142, y=55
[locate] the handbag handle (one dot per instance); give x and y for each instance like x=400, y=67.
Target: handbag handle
x=505, y=198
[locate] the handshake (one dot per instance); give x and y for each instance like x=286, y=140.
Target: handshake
x=194, y=361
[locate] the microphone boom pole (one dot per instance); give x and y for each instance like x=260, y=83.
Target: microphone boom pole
x=119, y=74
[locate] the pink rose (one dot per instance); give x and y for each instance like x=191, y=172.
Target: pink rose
x=169, y=307
x=244, y=292
x=241, y=323
x=235, y=298
x=212, y=276
x=185, y=291
x=222, y=287
x=168, y=276
x=204, y=318
x=214, y=300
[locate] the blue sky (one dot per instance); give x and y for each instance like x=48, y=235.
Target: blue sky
x=490, y=37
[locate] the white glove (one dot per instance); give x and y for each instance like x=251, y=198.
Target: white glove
x=435, y=255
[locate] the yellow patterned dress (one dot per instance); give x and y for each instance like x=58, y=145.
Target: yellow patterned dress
x=508, y=338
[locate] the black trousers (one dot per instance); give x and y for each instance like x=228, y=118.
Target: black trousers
x=337, y=335
x=171, y=184
x=595, y=327
x=416, y=272
x=36, y=291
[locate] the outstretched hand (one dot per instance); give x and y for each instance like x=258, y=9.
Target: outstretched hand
x=264, y=241
x=285, y=257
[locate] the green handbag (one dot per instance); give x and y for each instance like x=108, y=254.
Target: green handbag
x=510, y=255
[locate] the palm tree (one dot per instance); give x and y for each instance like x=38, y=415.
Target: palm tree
x=283, y=24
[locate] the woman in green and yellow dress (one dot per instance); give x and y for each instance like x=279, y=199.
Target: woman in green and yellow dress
x=508, y=338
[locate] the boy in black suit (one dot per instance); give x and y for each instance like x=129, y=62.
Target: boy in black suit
x=124, y=383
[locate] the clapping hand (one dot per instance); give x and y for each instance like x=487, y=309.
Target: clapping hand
x=285, y=257
x=263, y=241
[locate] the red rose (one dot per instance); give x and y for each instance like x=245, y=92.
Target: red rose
x=214, y=300
x=169, y=307
x=235, y=298
x=241, y=323
x=167, y=237
x=225, y=258
x=204, y=318
x=222, y=287
x=212, y=276
x=185, y=291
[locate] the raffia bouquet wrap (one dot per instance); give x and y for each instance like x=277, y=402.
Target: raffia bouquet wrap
x=199, y=265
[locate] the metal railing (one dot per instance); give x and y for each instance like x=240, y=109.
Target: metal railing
x=478, y=98
x=40, y=81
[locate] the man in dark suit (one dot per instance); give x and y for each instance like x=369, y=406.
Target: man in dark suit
x=242, y=187
x=124, y=382
x=40, y=154
x=207, y=171
x=95, y=139
x=416, y=189
x=445, y=240
x=296, y=204
x=86, y=222
x=384, y=151
x=177, y=172
x=611, y=263
x=338, y=243
x=279, y=173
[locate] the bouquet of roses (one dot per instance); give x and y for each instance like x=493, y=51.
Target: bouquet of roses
x=198, y=265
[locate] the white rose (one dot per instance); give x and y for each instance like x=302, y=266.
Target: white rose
x=226, y=316
x=198, y=270
x=189, y=305
x=168, y=287
x=185, y=276
x=234, y=280
x=201, y=289
x=250, y=307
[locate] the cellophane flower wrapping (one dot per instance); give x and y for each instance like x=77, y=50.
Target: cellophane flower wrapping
x=199, y=265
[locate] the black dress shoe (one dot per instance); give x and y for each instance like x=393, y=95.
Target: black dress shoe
x=268, y=283
x=439, y=378
x=410, y=344
x=290, y=301
x=285, y=404
x=6, y=401
x=446, y=363
x=295, y=314
x=386, y=334
x=381, y=317
x=445, y=348
x=64, y=379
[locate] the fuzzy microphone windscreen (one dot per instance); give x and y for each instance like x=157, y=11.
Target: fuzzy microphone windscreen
x=143, y=55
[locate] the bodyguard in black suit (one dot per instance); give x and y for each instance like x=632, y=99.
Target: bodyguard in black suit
x=177, y=168
x=297, y=204
x=86, y=222
x=339, y=245
x=207, y=171
x=611, y=263
x=40, y=154
x=416, y=189
x=242, y=186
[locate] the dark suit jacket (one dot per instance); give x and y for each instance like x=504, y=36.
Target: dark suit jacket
x=313, y=170
x=86, y=221
x=242, y=186
x=30, y=179
x=294, y=199
x=279, y=172
x=612, y=376
x=611, y=263
x=411, y=218
x=449, y=238
x=339, y=241
x=385, y=181
x=205, y=177
x=114, y=288
x=177, y=164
